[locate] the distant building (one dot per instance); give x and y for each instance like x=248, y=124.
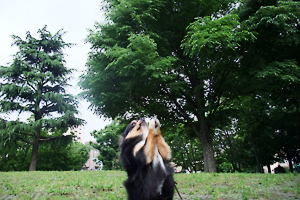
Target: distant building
x=78, y=133
x=92, y=163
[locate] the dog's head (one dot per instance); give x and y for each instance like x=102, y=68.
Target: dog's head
x=134, y=129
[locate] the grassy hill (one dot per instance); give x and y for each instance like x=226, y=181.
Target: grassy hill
x=109, y=185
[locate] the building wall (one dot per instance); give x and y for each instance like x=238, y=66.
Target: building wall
x=78, y=133
x=91, y=163
x=94, y=153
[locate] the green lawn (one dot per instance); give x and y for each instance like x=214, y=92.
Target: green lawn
x=109, y=185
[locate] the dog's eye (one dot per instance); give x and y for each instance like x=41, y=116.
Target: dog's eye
x=138, y=128
x=156, y=125
x=133, y=124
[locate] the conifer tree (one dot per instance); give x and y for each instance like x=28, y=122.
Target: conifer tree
x=35, y=82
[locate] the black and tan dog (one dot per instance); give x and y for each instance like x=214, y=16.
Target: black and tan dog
x=144, y=155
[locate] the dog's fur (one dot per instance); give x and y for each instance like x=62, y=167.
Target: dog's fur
x=144, y=155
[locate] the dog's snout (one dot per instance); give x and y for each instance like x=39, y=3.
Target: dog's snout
x=143, y=119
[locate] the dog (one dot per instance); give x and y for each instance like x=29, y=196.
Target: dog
x=144, y=156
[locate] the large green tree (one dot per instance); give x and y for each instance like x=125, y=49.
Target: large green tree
x=35, y=83
x=197, y=63
x=272, y=72
x=138, y=64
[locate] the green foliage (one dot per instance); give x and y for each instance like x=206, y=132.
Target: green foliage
x=34, y=82
x=137, y=63
x=273, y=80
x=63, y=158
x=137, y=66
x=249, y=7
x=207, y=65
x=108, y=144
x=209, y=37
x=15, y=156
x=276, y=48
x=36, y=79
x=186, y=151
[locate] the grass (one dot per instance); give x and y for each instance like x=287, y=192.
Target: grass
x=109, y=185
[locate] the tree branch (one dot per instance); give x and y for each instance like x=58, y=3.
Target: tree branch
x=42, y=138
x=31, y=86
x=190, y=101
x=217, y=92
x=48, y=107
x=180, y=109
x=151, y=109
x=27, y=134
x=26, y=141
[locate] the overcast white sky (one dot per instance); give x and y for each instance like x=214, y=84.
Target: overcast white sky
x=74, y=16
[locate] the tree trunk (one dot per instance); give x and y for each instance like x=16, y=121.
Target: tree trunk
x=239, y=167
x=209, y=159
x=208, y=152
x=34, y=156
x=257, y=157
x=269, y=168
x=290, y=161
x=234, y=166
x=35, y=145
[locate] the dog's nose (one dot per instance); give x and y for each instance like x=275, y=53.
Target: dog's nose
x=143, y=119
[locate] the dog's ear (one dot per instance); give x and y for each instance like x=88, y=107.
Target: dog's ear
x=129, y=128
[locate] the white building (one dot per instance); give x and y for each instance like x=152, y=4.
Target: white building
x=78, y=133
x=92, y=163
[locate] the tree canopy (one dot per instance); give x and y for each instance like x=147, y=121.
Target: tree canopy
x=35, y=82
x=197, y=63
x=145, y=69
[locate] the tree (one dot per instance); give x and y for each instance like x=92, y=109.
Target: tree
x=285, y=124
x=272, y=68
x=108, y=144
x=190, y=62
x=255, y=131
x=34, y=83
x=139, y=66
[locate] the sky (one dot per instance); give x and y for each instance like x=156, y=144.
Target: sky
x=75, y=17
